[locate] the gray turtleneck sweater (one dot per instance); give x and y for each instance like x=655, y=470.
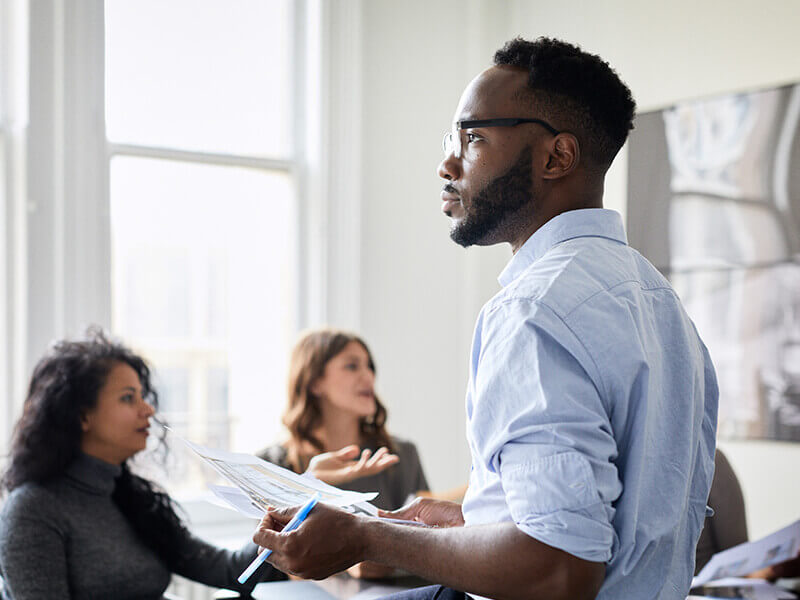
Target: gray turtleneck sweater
x=67, y=539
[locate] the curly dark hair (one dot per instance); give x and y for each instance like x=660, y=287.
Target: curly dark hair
x=302, y=416
x=577, y=91
x=47, y=438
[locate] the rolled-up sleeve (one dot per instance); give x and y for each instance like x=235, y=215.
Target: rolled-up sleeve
x=550, y=441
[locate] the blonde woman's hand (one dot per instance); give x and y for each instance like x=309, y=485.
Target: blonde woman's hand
x=349, y=463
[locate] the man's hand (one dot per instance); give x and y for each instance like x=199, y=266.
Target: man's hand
x=786, y=569
x=370, y=570
x=346, y=465
x=437, y=513
x=327, y=542
x=496, y=560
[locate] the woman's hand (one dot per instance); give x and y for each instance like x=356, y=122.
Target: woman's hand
x=370, y=570
x=436, y=513
x=346, y=465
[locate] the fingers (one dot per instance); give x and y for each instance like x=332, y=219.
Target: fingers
x=408, y=512
x=363, y=460
x=266, y=537
x=268, y=533
x=347, y=453
x=383, y=450
x=350, y=463
x=379, y=454
x=389, y=460
x=279, y=517
x=381, y=460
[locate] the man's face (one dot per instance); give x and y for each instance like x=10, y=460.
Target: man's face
x=489, y=194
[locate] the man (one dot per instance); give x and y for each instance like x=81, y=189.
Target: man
x=592, y=402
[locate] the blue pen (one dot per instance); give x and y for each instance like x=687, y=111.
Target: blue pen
x=298, y=518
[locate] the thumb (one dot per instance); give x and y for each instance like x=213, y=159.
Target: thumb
x=407, y=512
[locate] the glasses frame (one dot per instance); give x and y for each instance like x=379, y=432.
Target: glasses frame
x=453, y=138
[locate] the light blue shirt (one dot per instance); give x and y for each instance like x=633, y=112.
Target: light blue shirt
x=592, y=408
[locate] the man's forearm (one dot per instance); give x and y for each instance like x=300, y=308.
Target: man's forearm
x=496, y=560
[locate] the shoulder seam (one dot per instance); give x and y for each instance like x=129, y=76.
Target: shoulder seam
x=539, y=302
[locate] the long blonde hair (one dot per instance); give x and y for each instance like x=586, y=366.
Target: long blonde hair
x=303, y=415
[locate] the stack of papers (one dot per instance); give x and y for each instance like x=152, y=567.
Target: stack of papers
x=260, y=484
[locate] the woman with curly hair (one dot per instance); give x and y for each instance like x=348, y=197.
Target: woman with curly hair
x=77, y=522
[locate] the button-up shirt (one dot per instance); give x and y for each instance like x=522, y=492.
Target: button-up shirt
x=592, y=408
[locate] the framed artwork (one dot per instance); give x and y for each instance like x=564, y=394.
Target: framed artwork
x=714, y=203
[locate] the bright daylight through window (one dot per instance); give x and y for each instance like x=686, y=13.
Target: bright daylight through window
x=203, y=210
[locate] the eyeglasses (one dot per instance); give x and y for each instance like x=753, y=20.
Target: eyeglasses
x=452, y=139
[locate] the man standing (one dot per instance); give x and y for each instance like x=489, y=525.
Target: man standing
x=592, y=402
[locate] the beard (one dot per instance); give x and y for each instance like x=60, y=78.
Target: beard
x=493, y=208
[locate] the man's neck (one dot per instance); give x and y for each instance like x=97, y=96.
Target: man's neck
x=588, y=195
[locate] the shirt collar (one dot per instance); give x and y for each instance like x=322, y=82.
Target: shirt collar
x=586, y=222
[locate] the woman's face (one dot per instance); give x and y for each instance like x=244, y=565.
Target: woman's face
x=348, y=383
x=117, y=427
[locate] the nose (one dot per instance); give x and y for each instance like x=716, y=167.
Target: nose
x=449, y=168
x=148, y=409
x=369, y=375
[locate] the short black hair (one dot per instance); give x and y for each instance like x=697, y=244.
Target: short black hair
x=579, y=92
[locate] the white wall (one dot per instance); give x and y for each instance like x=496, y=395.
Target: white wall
x=420, y=293
x=418, y=303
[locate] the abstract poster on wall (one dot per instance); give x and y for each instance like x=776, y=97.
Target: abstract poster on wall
x=714, y=203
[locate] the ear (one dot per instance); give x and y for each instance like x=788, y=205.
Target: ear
x=85, y=425
x=564, y=154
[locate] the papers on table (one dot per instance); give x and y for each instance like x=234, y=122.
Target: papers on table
x=260, y=484
x=291, y=590
x=752, y=556
x=749, y=589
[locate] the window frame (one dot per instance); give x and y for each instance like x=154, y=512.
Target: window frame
x=13, y=120
x=197, y=361
x=55, y=222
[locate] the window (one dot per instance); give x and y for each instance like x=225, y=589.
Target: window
x=13, y=120
x=184, y=159
x=204, y=208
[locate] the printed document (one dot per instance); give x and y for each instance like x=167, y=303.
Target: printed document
x=261, y=484
x=751, y=556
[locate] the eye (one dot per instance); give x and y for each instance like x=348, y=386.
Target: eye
x=351, y=366
x=472, y=137
x=128, y=398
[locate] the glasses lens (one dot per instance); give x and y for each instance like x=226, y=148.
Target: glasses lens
x=451, y=144
x=447, y=143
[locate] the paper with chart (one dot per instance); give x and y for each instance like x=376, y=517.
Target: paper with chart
x=266, y=484
x=752, y=556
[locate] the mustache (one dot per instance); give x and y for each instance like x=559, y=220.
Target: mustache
x=451, y=190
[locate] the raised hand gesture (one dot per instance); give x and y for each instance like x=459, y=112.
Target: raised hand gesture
x=349, y=463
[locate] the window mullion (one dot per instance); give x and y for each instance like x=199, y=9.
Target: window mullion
x=231, y=160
